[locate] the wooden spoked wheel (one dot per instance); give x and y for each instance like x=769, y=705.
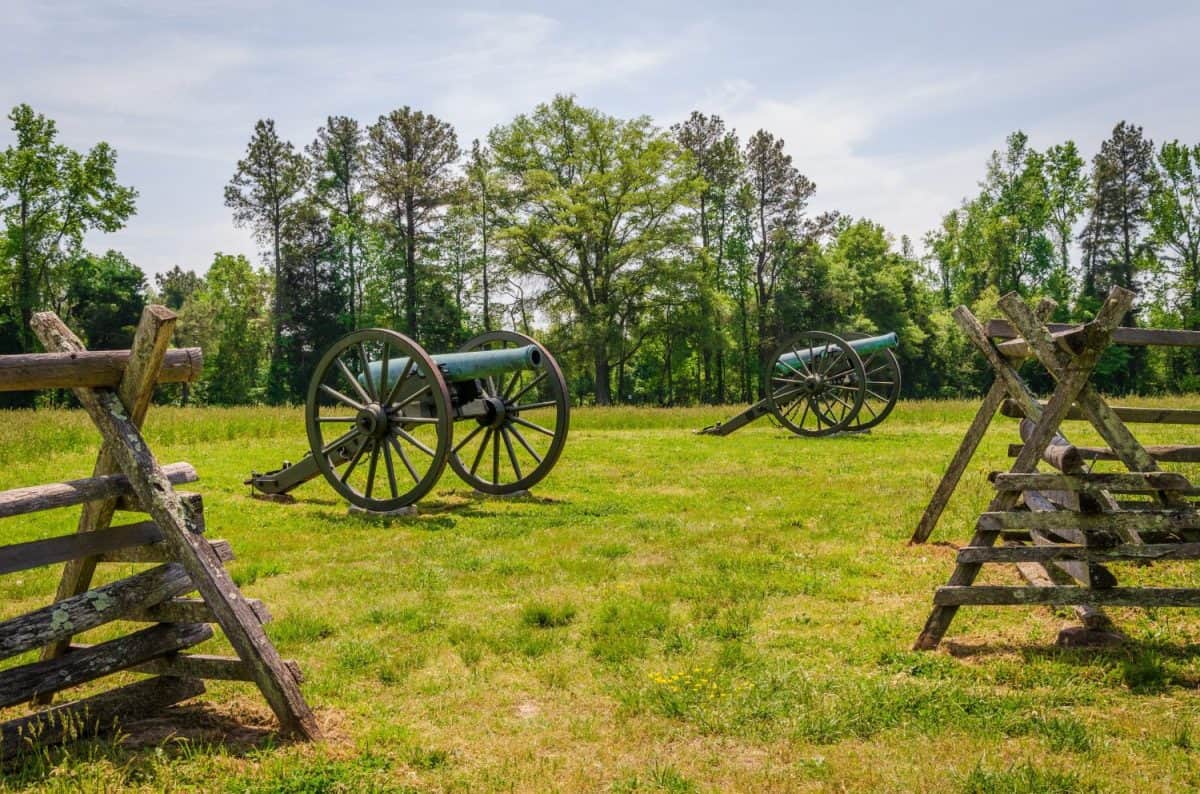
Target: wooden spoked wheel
x=815, y=384
x=379, y=434
x=882, y=386
x=519, y=439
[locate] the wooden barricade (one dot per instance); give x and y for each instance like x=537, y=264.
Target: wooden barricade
x=1062, y=529
x=115, y=389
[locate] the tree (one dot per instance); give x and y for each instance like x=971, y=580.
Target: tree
x=594, y=214
x=716, y=157
x=460, y=261
x=1015, y=203
x=176, y=285
x=265, y=184
x=482, y=194
x=775, y=198
x=316, y=295
x=1115, y=243
x=1174, y=217
x=1068, y=185
x=50, y=196
x=410, y=155
x=238, y=296
x=104, y=299
x=338, y=172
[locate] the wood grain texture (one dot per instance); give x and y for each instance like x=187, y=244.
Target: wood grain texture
x=135, y=390
x=36, y=553
x=997, y=595
x=34, y=498
x=93, y=608
x=150, y=483
x=94, y=369
x=20, y=684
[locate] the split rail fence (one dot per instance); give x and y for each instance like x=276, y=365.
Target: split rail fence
x=1064, y=528
x=115, y=389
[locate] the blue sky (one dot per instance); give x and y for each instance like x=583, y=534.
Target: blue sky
x=892, y=108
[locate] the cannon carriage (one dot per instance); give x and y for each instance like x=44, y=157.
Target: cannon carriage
x=381, y=412
x=819, y=384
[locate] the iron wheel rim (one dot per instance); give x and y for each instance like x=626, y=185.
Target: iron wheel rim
x=882, y=380
x=383, y=426
x=517, y=435
x=828, y=389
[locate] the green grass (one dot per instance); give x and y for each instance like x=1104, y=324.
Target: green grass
x=670, y=612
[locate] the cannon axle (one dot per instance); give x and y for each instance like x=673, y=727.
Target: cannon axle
x=381, y=411
x=819, y=384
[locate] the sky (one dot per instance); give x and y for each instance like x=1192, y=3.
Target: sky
x=891, y=108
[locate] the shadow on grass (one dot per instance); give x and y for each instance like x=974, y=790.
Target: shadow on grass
x=177, y=732
x=201, y=724
x=1144, y=667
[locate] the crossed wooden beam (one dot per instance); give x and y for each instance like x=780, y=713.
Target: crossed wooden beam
x=118, y=415
x=1073, y=516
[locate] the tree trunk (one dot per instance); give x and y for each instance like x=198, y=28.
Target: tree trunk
x=410, y=267
x=763, y=350
x=720, y=394
x=487, y=302
x=668, y=397
x=745, y=344
x=603, y=389
x=26, y=285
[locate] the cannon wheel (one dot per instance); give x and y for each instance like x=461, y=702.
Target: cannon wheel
x=526, y=434
x=377, y=449
x=882, y=370
x=821, y=396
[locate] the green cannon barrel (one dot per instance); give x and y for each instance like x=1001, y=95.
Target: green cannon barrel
x=866, y=345
x=468, y=366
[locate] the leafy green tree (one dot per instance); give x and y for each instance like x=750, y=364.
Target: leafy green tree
x=716, y=157
x=1016, y=204
x=1067, y=182
x=174, y=287
x=460, y=265
x=50, y=196
x=1116, y=245
x=593, y=213
x=267, y=182
x=239, y=298
x=316, y=296
x=104, y=299
x=775, y=200
x=338, y=169
x=1174, y=218
x=410, y=157
x=482, y=194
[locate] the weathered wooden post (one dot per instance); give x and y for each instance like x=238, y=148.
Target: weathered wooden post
x=115, y=388
x=1062, y=529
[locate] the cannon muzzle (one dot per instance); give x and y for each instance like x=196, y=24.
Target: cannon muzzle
x=467, y=366
x=866, y=345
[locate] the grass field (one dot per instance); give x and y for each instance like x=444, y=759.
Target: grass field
x=668, y=613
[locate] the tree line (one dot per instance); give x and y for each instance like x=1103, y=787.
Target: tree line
x=661, y=265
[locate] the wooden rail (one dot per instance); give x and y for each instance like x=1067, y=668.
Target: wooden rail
x=1064, y=529
x=1129, y=337
x=115, y=389
x=91, y=369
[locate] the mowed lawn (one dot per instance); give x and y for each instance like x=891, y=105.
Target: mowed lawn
x=669, y=612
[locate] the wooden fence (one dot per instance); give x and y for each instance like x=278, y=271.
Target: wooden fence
x=115, y=389
x=1064, y=528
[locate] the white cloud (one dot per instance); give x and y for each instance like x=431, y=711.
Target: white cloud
x=508, y=63
x=828, y=133
x=901, y=136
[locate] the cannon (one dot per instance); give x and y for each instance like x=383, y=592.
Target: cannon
x=381, y=411
x=819, y=384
